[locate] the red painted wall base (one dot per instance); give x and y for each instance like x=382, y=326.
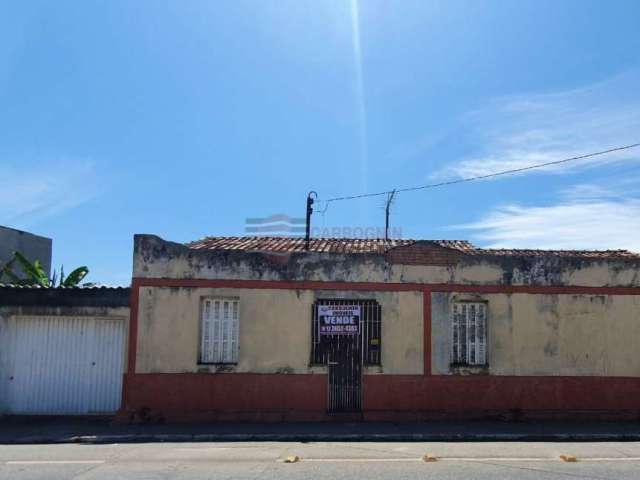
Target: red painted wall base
x=431, y=397
x=224, y=396
x=303, y=397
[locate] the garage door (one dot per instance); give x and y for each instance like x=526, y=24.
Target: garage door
x=62, y=365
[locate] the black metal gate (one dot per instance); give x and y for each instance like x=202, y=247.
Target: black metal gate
x=345, y=354
x=344, y=360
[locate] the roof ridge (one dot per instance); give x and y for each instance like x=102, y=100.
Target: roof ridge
x=380, y=245
x=554, y=250
x=295, y=237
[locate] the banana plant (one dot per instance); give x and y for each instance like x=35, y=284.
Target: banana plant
x=35, y=274
x=73, y=279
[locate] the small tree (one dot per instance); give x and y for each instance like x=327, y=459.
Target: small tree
x=35, y=274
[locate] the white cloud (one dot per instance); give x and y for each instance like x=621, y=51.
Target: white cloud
x=587, y=217
x=522, y=130
x=518, y=131
x=32, y=192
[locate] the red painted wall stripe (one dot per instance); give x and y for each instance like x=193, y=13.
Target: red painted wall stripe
x=133, y=326
x=426, y=313
x=381, y=286
x=132, y=342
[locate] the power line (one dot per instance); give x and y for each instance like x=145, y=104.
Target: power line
x=480, y=177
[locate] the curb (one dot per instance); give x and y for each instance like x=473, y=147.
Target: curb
x=327, y=437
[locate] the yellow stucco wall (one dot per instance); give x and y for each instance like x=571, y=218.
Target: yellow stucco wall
x=275, y=329
x=530, y=334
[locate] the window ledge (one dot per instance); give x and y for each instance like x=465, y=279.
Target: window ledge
x=464, y=369
x=216, y=367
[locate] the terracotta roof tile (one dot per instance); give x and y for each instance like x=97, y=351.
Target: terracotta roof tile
x=380, y=245
x=296, y=244
x=556, y=253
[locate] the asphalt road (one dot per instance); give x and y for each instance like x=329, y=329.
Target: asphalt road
x=370, y=461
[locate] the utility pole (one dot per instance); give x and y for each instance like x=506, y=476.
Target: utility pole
x=386, y=217
x=307, y=236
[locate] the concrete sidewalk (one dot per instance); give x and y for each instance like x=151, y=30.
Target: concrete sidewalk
x=30, y=430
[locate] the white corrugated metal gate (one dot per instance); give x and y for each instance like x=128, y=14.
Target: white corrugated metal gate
x=62, y=364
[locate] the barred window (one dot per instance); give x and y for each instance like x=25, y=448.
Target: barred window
x=469, y=333
x=219, y=328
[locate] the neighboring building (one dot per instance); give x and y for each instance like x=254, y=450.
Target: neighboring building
x=34, y=247
x=260, y=328
x=62, y=350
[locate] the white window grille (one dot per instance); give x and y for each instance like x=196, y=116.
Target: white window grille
x=469, y=333
x=219, y=328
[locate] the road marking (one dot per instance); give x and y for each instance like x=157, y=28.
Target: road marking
x=535, y=459
x=340, y=460
x=610, y=459
x=48, y=462
x=204, y=449
x=466, y=459
x=497, y=459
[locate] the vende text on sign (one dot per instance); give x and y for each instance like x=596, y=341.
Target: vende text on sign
x=339, y=319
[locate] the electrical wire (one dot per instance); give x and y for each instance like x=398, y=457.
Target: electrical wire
x=480, y=177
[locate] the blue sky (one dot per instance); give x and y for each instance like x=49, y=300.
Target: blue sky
x=183, y=118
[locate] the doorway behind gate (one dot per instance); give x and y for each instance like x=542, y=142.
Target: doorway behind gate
x=345, y=355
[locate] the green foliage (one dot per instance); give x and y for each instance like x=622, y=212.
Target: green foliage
x=7, y=271
x=35, y=275
x=33, y=270
x=74, y=278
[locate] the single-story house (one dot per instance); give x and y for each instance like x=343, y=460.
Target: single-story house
x=263, y=328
